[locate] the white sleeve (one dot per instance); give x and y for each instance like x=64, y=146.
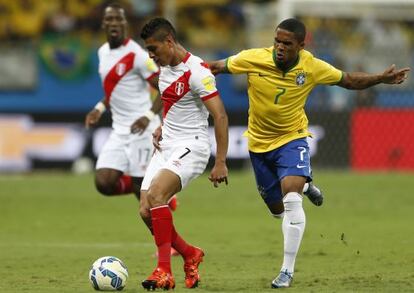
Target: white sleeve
x=203, y=82
x=144, y=64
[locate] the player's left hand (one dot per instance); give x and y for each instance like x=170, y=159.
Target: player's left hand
x=219, y=174
x=157, y=137
x=140, y=125
x=392, y=75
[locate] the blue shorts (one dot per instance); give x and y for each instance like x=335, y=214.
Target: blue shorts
x=291, y=159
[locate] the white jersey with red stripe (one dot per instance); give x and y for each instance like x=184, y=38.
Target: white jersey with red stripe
x=124, y=73
x=183, y=89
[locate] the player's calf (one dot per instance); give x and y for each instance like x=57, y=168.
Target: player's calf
x=118, y=186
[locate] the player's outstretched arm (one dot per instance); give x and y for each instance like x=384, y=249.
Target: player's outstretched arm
x=93, y=117
x=362, y=80
x=218, y=66
x=219, y=172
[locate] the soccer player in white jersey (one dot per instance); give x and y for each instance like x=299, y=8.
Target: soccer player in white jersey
x=189, y=94
x=127, y=72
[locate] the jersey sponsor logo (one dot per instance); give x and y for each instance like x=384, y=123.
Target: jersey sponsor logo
x=176, y=163
x=300, y=78
x=179, y=88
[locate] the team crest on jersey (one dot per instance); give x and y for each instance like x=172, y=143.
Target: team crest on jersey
x=120, y=69
x=179, y=88
x=300, y=78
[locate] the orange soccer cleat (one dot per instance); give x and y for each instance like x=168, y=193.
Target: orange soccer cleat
x=159, y=279
x=192, y=277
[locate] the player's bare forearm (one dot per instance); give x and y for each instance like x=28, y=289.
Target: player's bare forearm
x=216, y=108
x=218, y=66
x=142, y=122
x=219, y=172
x=362, y=80
x=157, y=104
x=153, y=81
x=221, y=134
x=93, y=117
x=359, y=80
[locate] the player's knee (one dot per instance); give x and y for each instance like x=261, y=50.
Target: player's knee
x=144, y=212
x=276, y=209
x=104, y=186
x=292, y=200
x=293, y=206
x=155, y=196
x=279, y=215
x=136, y=185
x=294, y=209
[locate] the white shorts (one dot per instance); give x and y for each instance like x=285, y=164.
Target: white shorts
x=188, y=161
x=128, y=153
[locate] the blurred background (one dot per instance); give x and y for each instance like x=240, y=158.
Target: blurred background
x=49, y=79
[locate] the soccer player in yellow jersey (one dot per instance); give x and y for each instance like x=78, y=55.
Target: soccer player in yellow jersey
x=280, y=79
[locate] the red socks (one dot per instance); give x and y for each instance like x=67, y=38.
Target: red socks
x=124, y=185
x=162, y=226
x=180, y=245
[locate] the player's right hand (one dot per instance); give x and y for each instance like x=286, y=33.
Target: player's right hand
x=392, y=75
x=140, y=125
x=157, y=137
x=219, y=174
x=92, y=118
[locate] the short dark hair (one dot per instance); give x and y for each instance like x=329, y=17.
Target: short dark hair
x=158, y=28
x=115, y=5
x=294, y=26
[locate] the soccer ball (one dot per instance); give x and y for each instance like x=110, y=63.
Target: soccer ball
x=108, y=273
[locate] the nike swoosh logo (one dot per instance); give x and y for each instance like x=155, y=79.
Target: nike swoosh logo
x=300, y=166
x=296, y=223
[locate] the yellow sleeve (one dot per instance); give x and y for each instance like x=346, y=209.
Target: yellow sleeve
x=240, y=63
x=325, y=73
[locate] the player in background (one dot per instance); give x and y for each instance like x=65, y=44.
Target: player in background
x=127, y=73
x=188, y=91
x=280, y=79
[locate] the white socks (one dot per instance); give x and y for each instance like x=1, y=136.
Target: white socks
x=293, y=226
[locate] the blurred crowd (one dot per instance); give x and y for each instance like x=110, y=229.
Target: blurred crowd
x=368, y=44
x=29, y=20
x=198, y=22
x=218, y=28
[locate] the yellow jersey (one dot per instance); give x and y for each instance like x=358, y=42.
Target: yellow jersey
x=277, y=98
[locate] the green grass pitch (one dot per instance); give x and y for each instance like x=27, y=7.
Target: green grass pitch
x=54, y=225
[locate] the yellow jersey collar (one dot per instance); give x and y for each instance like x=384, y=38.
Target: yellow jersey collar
x=290, y=68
